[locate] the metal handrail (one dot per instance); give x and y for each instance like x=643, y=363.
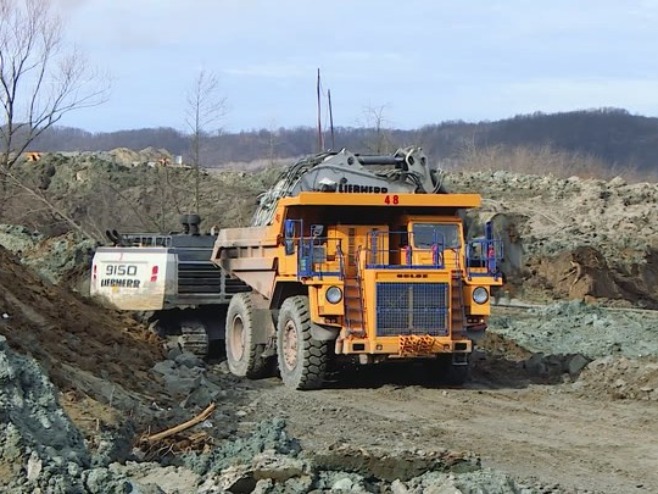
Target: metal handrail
x=341, y=261
x=376, y=253
x=306, y=261
x=491, y=252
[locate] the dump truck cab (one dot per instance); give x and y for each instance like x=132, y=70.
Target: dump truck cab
x=359, y=274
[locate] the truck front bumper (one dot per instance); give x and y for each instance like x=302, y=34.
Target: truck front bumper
x=403, y=346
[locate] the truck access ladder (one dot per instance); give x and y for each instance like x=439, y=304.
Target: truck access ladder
x=354, y=309
x=457, y=309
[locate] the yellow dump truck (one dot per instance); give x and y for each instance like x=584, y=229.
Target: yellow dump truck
x=347, y=263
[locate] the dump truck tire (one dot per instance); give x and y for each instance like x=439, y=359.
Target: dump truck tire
x=302, y=359
x=457, y=375
x=445, y=372
x=244, y=358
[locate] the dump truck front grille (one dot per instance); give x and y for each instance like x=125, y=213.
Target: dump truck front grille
x=412, y=308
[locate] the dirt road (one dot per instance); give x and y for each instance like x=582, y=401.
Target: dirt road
x=541, y=432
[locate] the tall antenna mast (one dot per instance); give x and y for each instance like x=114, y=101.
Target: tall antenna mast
x=331, y=121
x=320, y=137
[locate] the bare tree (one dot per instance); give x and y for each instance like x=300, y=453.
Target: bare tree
x=41, y=80
x=374, y=120
x=205, y=108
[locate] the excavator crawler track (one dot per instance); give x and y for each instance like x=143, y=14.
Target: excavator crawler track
x=194, y=338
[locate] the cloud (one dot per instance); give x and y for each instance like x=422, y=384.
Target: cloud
x=361, y=56
x=272, y=70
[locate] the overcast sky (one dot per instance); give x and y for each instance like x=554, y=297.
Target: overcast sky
x=424, y=61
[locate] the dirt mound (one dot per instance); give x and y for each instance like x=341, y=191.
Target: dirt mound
x=574, y=238
x=129, y=157
x=620, y=378
x=62, y=258
x=582, y=273
x=83, y=346
x=124, y=156
x=561, y=214
x=98, y=192
x=585, y=274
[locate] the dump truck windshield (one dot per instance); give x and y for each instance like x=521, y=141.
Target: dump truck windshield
x=427, y=234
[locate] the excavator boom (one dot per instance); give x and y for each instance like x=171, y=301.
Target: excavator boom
x=348, y=172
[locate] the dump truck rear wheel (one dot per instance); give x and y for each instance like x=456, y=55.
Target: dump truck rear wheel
x=244, y=358
x=302, y=359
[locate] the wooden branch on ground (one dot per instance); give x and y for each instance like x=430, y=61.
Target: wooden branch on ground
x=181, y=427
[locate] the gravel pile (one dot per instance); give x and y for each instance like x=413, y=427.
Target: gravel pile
x=273, y=473
x=269, y=461
x=40, y=448
x=620, y=378
x=575, y=327
x=267, y=436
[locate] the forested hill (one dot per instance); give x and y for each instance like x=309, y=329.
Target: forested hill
x=613, y=136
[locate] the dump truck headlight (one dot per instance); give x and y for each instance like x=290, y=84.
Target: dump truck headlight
x=480, y=295
x=334, y=295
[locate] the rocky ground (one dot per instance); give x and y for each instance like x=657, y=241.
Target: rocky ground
x=561, y=398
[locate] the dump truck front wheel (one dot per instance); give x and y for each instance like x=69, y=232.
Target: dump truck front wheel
x=302, y=359
x=244, y=357
x=448, y=372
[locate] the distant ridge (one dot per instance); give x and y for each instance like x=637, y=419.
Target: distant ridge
x=612, y=135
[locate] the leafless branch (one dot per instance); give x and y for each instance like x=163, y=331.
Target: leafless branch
x=41, y=80
x=374, y=119
x=205, y=108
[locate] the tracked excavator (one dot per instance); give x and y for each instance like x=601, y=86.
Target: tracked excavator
x=361, y=258
x=169, y=279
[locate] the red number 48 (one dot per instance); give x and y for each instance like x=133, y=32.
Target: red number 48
x=391, y=200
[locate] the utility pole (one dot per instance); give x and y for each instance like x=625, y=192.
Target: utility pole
x=320, y=137
x=331, y=121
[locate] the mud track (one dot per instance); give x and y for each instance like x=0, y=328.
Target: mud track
x=532, y=431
